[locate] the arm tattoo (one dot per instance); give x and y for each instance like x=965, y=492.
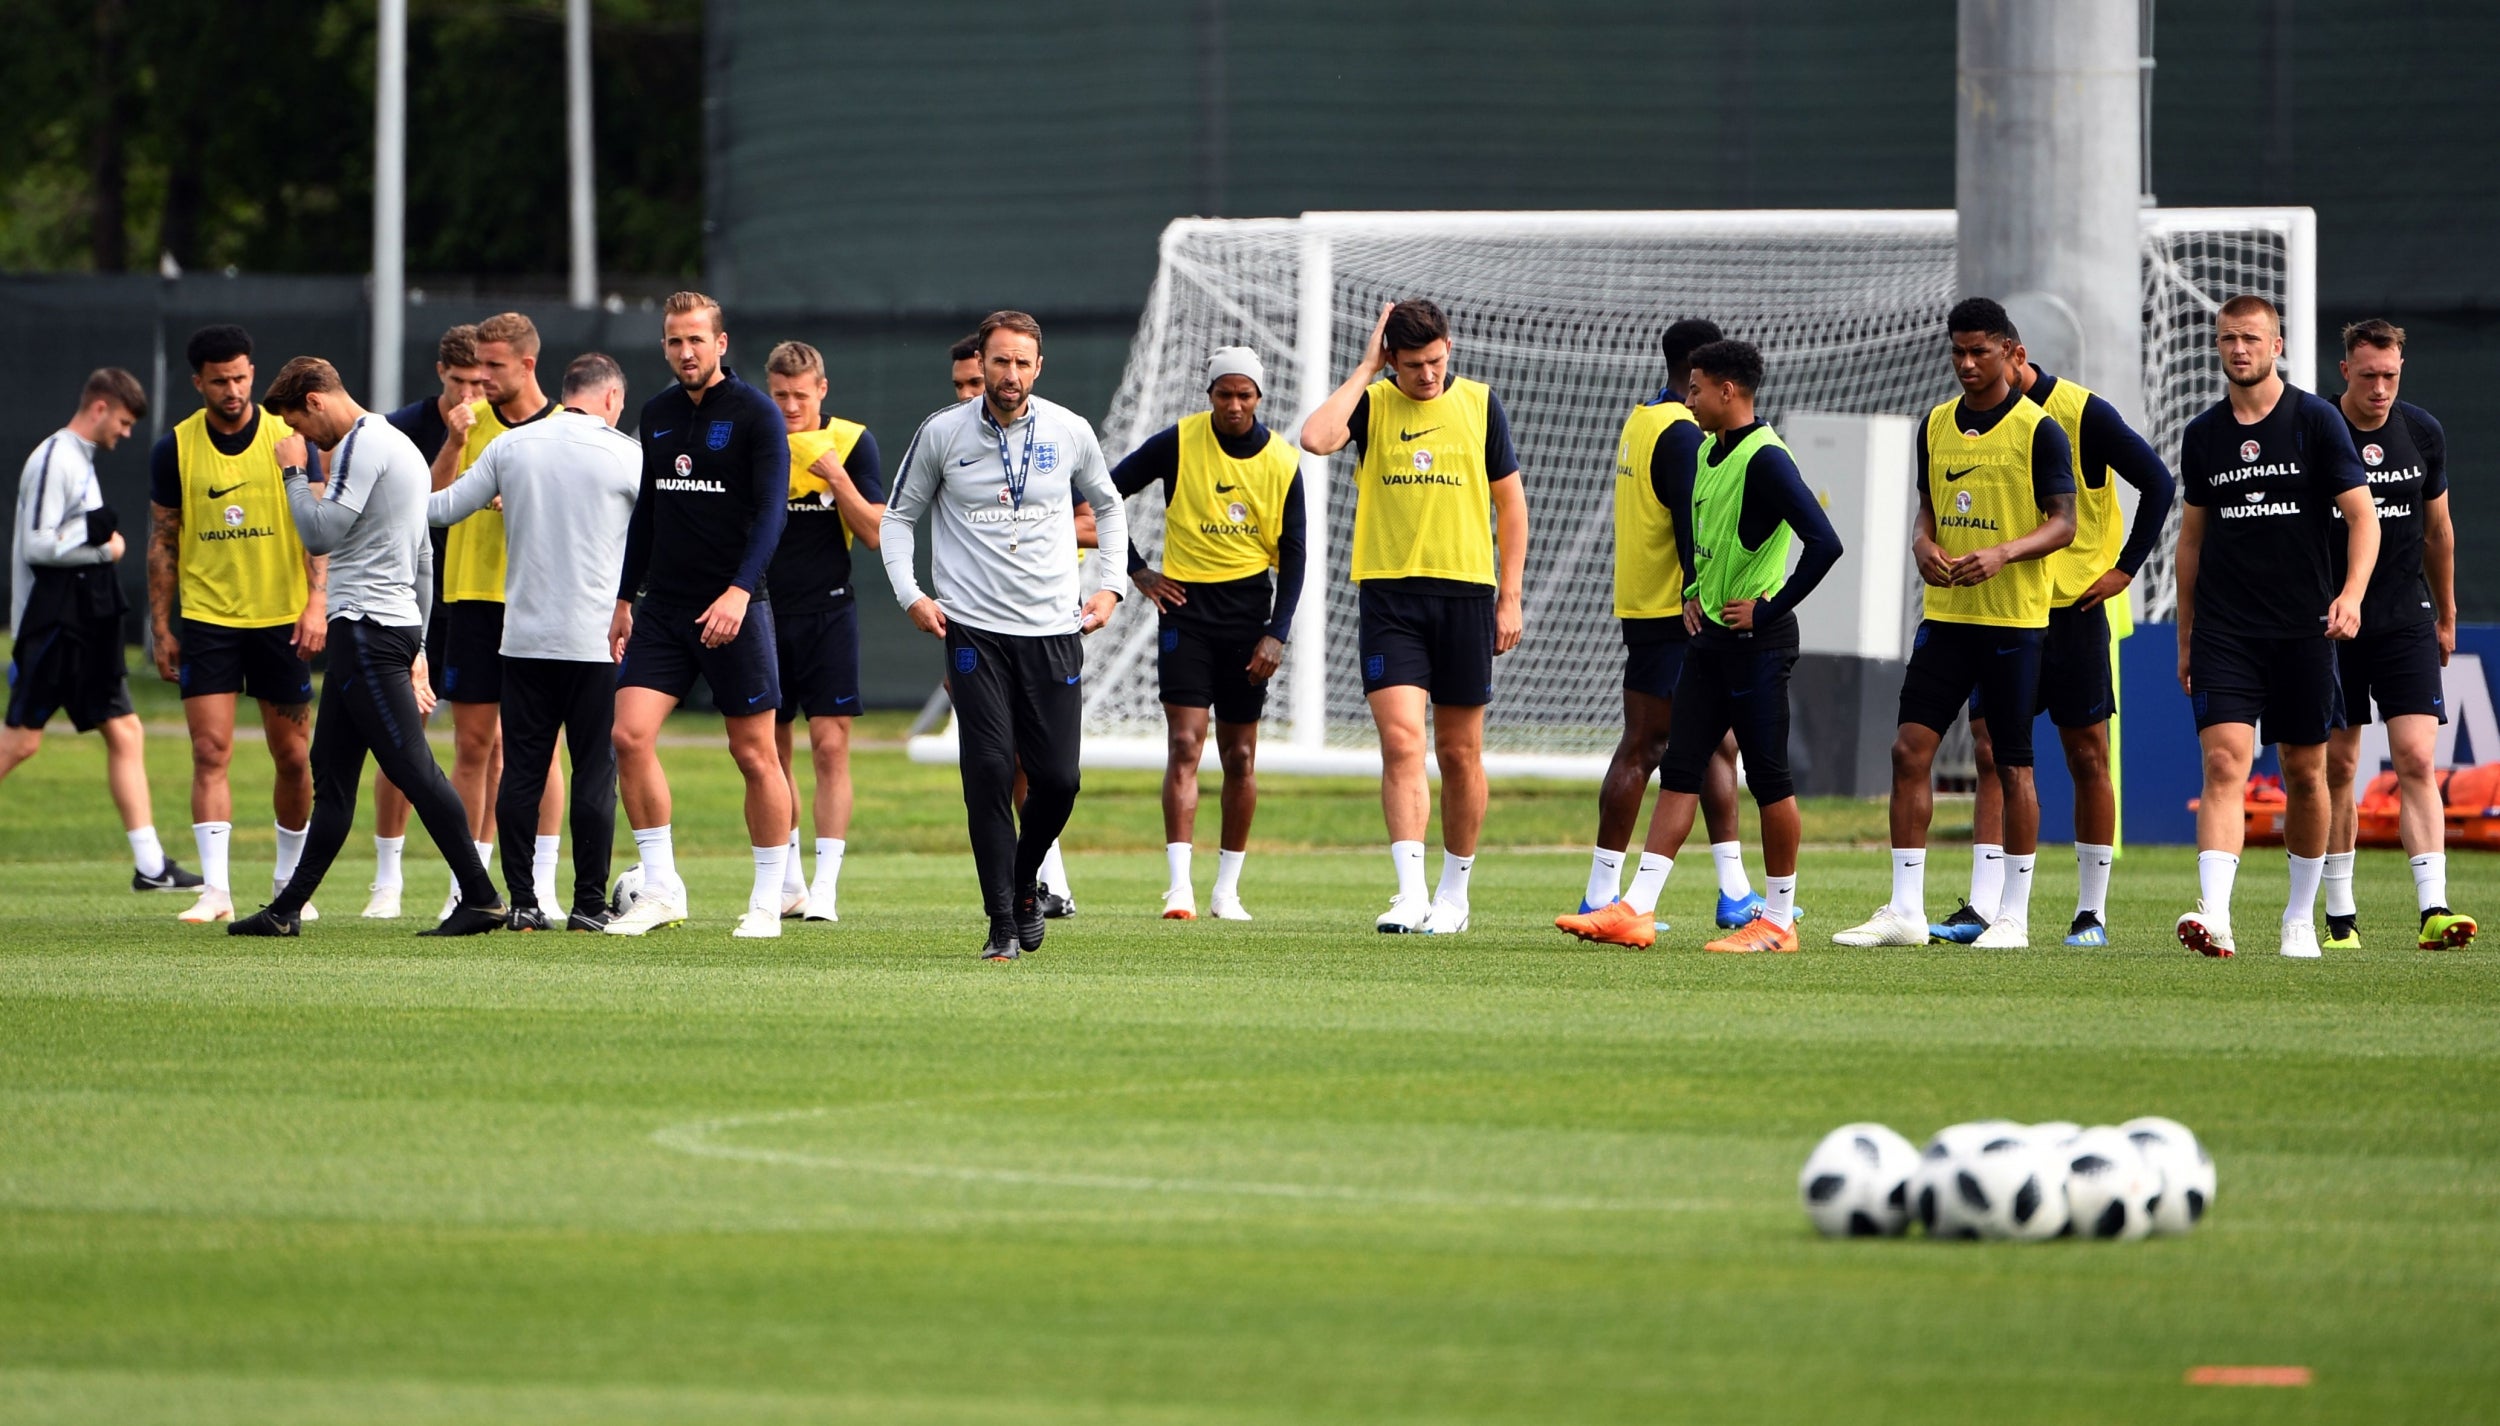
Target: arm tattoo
x=164, y=559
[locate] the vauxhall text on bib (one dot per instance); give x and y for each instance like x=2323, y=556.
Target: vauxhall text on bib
x=1649, y=575
x=242, y=562
x=1223, y=518
x=1423, y=501
x=1981, y=492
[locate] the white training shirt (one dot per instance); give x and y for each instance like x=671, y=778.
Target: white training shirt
x=568, y=485
x=54, y=493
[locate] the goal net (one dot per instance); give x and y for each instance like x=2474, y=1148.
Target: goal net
x=1560, y=314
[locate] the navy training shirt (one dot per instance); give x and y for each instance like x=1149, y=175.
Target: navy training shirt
x=811, y=570
x=715, y=487
x=2269, y=491
x=2406, y=461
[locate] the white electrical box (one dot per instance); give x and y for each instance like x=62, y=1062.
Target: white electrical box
x=1861, y=468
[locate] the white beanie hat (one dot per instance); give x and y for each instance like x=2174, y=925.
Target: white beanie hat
x=1236, y=361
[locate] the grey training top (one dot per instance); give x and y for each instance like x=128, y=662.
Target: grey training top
x=54, y=494
x=568, y=485
x=370, y=521
x=1000, y=566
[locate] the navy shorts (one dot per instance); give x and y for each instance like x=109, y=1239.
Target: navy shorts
x=1200, y=665
x=473, y=651
x=2398, y=669
x=1950, y=662
x=818, y=656
x=1653, y=657
x=2287, y=688
x=1442, y=643
x=61, y=669
x=666, y=653
x=2076, y=689
x=1731, y=689
x=261, y=663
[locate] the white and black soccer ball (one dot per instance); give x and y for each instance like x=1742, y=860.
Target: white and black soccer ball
x=2052, y=1133
x=2172, y=1151
x=628, y=890
x=2014, y=1187
x=1856, y=1182
x=1935, y=1188
x=2110, y=1189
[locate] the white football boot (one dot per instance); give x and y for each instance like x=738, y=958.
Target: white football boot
x=1405, y=917
x=794, y=903
x=820, y=902
x=2209, y=934
x=2005, y=933
x=451, y=902
x=1180, y=904
x=759, y=924
x=1448, y=918
x=1227, y=908
x=1886, y=927
x=383, y=905
x=2300, y=940
x=214, y=905
x=650, y=911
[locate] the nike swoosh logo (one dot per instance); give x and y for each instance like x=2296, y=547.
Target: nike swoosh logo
x=1994, y=857
x=215, y=494
x=1954, y=475
x=1407, y=435
x=655, y=435
x=967, y=460
x=1222, y=489
x=755, y=700
x=1074, y=677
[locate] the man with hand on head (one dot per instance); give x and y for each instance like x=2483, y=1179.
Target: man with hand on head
x=1232, y=494
x=370, y=520
x=999, y=478
x=568, y=486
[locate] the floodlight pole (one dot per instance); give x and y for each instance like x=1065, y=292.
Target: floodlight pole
x=2047, y=180
x=390, y=200
x=585, y=285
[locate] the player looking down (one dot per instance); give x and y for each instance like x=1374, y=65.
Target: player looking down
x=2261, y=608
x=1232, y=494
x=998, y=478
x=1996, y=496
x=1439, y=590
x=1735, y=519
x=836, y=495
x=370, y=520
x=2088, y=610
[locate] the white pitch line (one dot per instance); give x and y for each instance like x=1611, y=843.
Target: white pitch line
x=695, y=1139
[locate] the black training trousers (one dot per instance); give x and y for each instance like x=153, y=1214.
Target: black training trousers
x=1018, y=698
x=541, y=696
x=368, y=705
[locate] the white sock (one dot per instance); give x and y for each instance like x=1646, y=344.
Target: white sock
x=386, y=854
x=1228, y=873
x=1649, y=883
x=1987, y=878
x=2306, y=872
x=1407, y=860
x=658, y=849
x=2430, y=880
x=1054, y=872
x=485, y=858
x=1780, y=899
x=1176, y=868
x=2092, y=878
x=1729, y=859
x=1909, y=883
x=765, y=894
x=2014, y=898
x=290, y=851
x=213, y=839
x=1605, y=878
x=793, y=868
x=2215, y=871
x=2338, y=884
x=147, y=854
x=545, y=853
x=828, y=866
x=1454, y=869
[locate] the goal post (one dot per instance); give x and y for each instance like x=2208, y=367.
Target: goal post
x=1559, y=312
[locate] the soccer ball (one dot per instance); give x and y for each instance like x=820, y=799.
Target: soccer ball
x=1935, y=1186
x=2053, y=1133
x=2014, y=1187
x=2110, y=1189
x=1856, y=1182
x=2186, y=1170
x=628, y=890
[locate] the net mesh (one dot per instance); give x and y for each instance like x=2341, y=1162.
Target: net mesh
x=1562, y=322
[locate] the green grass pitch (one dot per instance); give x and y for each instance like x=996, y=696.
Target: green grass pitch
x=1178, y=1173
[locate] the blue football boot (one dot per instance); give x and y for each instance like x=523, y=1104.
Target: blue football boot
x=1961, y=928
x=2087, y=931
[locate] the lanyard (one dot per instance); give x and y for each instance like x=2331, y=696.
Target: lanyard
x=1016, y=476
x=338, y=477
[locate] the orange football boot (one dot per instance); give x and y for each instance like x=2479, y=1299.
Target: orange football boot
x=1760, y=934
x=1614, y=924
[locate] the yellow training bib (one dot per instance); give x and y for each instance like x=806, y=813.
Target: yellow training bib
x=1225, y=513
x=242, y=562
x=1980, y=490
x=1649, y=576
x=1423, y=501
x=473, y=551
x=2100, y=526
x=808, y=447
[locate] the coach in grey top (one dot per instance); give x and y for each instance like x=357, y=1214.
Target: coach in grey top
x=1001, y=475
x=370, y=521
x=568, y=485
